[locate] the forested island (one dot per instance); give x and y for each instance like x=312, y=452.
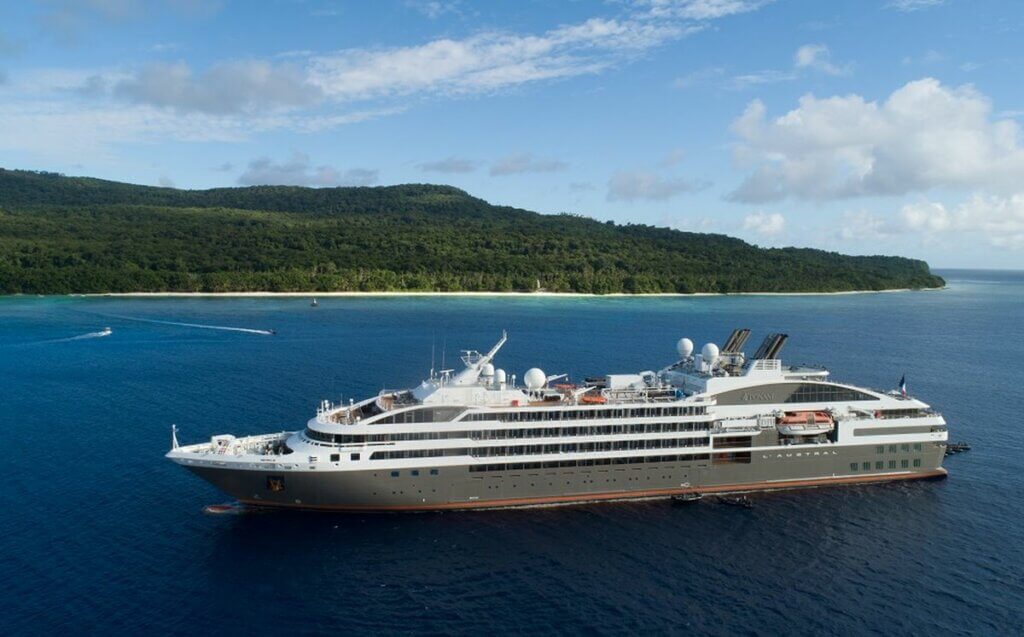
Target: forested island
x=61, y=235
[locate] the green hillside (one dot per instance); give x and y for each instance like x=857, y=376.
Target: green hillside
x=77, y=235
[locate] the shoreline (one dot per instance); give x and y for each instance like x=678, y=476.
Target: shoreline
x=519, y=295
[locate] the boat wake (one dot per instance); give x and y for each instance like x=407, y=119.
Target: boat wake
x=201, y=326
x=81, y=337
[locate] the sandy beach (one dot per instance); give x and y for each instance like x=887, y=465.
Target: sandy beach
x=517, y=295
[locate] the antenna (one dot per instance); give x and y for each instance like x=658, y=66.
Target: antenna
x=444, y=351
x=433, y=346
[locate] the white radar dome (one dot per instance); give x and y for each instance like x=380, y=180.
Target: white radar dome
x=684, y=347
x=710, y=353
x=535, y=378
x=499, y=376
x=487, y=370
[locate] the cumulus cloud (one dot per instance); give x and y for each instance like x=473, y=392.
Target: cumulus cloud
x=999, y=219
x=298, y=171
x=818, y=57
x=765, y=224
x=925, y=135
x=525, y=163
x=227, y=87
x=993, y=219
x=450, y=165
x=634, y=185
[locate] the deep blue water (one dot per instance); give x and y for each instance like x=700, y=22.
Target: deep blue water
x=100, y=534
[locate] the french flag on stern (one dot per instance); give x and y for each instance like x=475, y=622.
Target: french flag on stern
x=903, y=385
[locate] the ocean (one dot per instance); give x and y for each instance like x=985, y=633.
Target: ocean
x=100, y=534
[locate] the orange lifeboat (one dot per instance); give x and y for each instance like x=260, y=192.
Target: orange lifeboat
x=805, y=418
x=593, y=400
x=805, y=423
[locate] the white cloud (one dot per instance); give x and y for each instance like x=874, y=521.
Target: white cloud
x=765, y=224
x=995, y=220
x=297, y=171
x=1000, y=220
x=304, y=91
x=815, y=57
x=487, y=61
x=767, y=76
x=818, y=57
x=526, y=163
x=634, y=185
x=914, y=5
x=228, y=87
x=925, y=135
x=700, y=9
x=450, y=165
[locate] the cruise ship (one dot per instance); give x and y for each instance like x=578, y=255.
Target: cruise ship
x=713, y=422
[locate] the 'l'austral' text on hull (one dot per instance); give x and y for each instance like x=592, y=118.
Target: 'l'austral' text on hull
x=712, y=422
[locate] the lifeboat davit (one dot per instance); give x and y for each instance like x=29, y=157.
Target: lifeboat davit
x=805, y=423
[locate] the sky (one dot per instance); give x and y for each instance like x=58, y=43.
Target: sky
x=861, y=126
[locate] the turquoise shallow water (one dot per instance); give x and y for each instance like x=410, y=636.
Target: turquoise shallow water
x=100, y=534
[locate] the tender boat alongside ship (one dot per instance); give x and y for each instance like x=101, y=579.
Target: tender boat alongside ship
x=715, y=422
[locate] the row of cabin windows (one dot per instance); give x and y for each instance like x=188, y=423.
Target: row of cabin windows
x=423, y=414
x=879, y=464
x=903, y=447
x=594, y=462
x=414, y=473
x=529, y=450
x=503, y=434
x=814, y=393
x=528, y=415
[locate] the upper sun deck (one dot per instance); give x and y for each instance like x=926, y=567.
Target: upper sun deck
x=482, y=387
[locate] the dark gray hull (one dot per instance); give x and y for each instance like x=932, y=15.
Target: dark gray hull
x=456, y=487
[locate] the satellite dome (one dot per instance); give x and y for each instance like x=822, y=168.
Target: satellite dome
x=487, y=370
x=535, y=378
x=499, y=376
x=710, y=353
x=684, y=347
